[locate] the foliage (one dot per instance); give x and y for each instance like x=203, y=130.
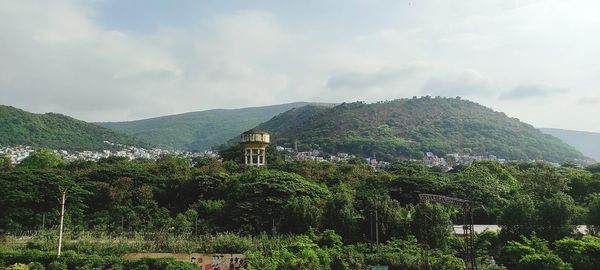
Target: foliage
x=41, y=159
x=315, y=214
x=581, y=254
x=28, y=196
x=5, y=163
x=406, y=128
x=532, y=253
x=201, y=130
x=270, y=200
x=593, y=219
x=73, y=260
x=432, y=223
x=55, y=131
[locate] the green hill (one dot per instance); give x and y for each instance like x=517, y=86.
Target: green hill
x=56, y=131
x=586, y=142
x=406, y=128
x=199, y=130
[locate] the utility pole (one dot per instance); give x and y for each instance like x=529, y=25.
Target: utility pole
x=62, y=218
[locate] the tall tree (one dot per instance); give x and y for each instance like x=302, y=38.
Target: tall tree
x=41, y=159
x=5, y=163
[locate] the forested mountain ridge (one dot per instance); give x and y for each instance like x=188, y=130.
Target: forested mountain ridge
x=406, y=128
x=56, y=131
x=586, y=142
x=200, y=130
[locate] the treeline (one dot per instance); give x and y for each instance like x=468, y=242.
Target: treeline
x=329, y=208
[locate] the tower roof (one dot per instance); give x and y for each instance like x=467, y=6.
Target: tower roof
x=255, y=131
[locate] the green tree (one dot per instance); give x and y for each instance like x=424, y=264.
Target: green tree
x=518, y=218
x=259, y=198
x=173, y=167
x=594, y=168
x=593, y=218
x=5, y=163
x=485, y=182
x=433, y=225
x=532, y=253
x=582, y=254
x=27, y=196
x=556, y=216
x=208, y=165
x=41, y=159
x=541, y=180
x=581, y=184
x=35, y=266
x=341, y=214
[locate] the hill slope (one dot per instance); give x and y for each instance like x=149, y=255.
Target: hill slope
x=199, y=130
x=587, y=143
x=56, y=131
x=408, y=127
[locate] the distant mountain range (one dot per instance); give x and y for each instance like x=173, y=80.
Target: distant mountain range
x=56, y=131
x=406, y=128
x=200, y=130
x=587, y=143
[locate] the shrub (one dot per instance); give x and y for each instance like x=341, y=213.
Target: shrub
x=36, y=266
x=57, y=265
x=547, y=261
x=581, y=254
x=17, y=266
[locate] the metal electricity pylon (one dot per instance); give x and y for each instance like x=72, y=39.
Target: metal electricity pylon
x=467, y=208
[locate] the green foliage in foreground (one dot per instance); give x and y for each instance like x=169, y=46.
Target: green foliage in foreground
x=35, y=259
x=316, y=215
x=311, y=251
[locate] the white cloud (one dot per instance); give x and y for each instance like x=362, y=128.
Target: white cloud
x=56, y=56
x=466, y=84
x=523, y=91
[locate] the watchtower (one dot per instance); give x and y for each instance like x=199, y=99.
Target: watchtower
x=255, y=144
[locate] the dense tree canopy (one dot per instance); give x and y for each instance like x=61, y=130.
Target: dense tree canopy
x=342, y=208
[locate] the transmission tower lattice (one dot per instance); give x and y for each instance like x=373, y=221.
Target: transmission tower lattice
x=467, y=221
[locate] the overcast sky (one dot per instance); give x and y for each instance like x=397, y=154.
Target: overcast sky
x=109, y=60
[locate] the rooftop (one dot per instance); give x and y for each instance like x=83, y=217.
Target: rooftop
x=255, y=131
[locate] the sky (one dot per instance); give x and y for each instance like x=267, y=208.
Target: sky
x=115, y=60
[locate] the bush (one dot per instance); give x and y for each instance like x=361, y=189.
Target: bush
x=56, y=265
x=17, y=266
x=581, y=254
x=532, y=254
x=547, y=261
x=36, y=266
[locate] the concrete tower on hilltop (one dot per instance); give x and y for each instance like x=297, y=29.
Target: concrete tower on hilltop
x=255, y=142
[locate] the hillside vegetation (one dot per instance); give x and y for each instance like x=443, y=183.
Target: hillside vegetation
x=199, y=130
x=56, y=131
x=406, y=128
x=586, y=142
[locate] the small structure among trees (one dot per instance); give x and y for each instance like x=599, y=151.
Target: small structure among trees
x=255, y=142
